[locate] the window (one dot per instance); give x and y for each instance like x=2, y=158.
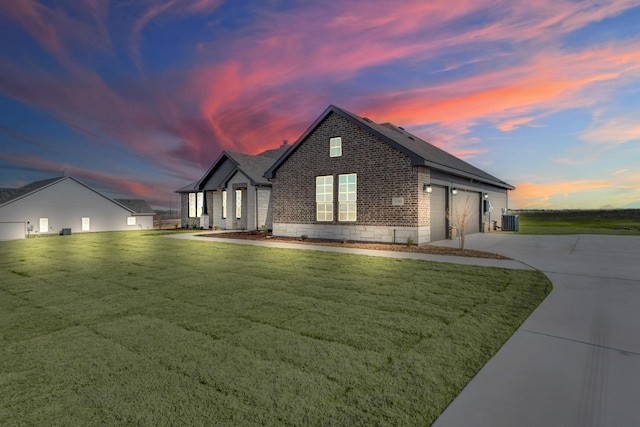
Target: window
x=335, y=147
x=86, y=223
x=347, y=196
x=131, y=220
x=195, y=205
x=224, y=204
x=324, y=198
x=192, y=205
x=199, y=203
x=238, y=204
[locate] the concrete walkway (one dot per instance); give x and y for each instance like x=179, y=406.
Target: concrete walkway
x=483, y=262
x=576, y=360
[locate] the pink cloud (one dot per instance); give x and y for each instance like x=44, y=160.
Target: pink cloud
x=269, y=80
x=534, y=195
x=510, y=125
x=53, y=28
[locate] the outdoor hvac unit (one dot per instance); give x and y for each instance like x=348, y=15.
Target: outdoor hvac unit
x=510, y=223
x=66, y=232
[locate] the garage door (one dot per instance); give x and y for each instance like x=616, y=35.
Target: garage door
x=12, y=230
x=438, y=214
x=470, y=202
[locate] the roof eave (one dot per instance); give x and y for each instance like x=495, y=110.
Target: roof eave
x=463, y=174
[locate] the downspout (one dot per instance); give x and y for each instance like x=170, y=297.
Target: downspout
x=255, y=200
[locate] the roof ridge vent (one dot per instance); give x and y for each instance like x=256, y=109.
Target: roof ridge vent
x=367, y=119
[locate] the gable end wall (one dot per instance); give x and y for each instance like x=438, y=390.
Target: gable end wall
x=383, y=172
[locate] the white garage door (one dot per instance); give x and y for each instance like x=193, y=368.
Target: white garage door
x=12, y=230
x=438, y=213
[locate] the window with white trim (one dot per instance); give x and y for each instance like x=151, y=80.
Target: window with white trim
x=238, y=204
x=347, y=197
x=195, y=205
x=224, y=204
x=86, y=223
x=199, y=203
x=131, y=220
x=324, y=198
x=335, y=146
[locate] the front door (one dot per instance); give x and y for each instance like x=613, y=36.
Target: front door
x=240, y=208
x=44, y=225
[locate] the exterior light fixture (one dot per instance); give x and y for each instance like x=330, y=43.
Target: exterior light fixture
x=486, y=196
x=427, y=188
x=454, y=191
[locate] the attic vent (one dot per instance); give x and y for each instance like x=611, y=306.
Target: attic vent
x=400, y=127
x=367, y=119
x=410, y=137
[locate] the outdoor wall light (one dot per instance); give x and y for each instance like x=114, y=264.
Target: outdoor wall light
x=454, y=191
x=486, y=195
x=427, y=188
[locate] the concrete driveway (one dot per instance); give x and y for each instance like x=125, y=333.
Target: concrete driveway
x=576, y=360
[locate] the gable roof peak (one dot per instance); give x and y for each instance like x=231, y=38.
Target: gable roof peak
x=421, y=152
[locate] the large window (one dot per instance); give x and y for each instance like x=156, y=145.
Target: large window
x=324, y=198
x=195, y=205
x=335, y=147
x=224, y=204
x=238, y=204
x=347, y=196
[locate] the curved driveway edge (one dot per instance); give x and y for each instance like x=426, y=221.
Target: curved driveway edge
x=576, y=360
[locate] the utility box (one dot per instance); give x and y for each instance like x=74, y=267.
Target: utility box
x=65, y=232
x=510, y=223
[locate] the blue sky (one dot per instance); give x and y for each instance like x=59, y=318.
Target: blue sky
x=139, y=98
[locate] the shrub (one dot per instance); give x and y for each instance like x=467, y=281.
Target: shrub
x=409, y=241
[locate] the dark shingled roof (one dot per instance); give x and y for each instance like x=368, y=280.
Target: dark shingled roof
x=9, y=194
x=138, y=206
x=419, y=151
x=229, y=162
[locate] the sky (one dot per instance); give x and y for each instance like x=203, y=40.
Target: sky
x=137, y=98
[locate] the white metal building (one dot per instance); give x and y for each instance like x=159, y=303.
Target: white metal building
x=65, y=203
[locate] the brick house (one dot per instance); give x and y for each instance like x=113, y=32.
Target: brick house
x=347, y=177
x=232, y=194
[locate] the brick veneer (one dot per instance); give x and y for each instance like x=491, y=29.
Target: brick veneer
x=383, y=172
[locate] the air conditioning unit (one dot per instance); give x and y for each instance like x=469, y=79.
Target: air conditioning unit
x=510, y=223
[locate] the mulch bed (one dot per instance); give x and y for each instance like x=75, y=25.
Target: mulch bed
x=422, y=249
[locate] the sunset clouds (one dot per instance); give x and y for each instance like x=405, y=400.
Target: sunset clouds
x=529, y=91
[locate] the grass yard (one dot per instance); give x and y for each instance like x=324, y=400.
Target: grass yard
x=624, y=222
x=135, y=328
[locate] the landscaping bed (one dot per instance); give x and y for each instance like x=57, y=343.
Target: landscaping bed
x=422, y=249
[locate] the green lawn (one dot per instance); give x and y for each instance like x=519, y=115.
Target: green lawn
x=625, y=222
x=134, y=328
